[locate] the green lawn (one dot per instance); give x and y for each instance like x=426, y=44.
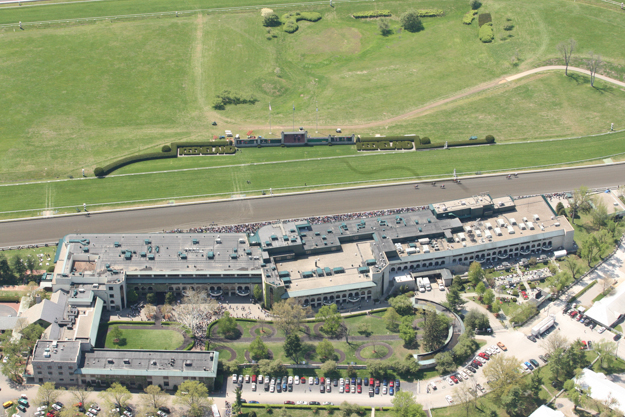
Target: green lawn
x=102, y=91
x=261, y=412
x=141, y=338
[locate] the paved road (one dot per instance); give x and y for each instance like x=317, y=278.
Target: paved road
x=303, y=205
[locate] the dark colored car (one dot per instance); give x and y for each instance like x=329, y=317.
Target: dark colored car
x=542, y=358
x=314, y=403
x=317, y=381
x=366, y=382
x=359, y=381
x=278, y=388
x=397, y=383
x=371, y=393
x=267, y=386
x=616, y=337
x=353, y=381
x=165, y=410
x=322, y=388
x=335, y=382
x=290, y=388
x=384, y=382
x=535, y=363
x=377, y=390
x=532, y=338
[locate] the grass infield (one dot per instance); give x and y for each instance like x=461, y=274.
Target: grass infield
x=141, y=338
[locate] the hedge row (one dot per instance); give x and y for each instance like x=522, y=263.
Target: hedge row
x=384, y=145
x=206, y=150
x=171, y=153
x=387, y=138
x=468, y=18
x=290, y=19
x=486, y=33
x=372, y=13
x=430, y=12
x=137, y=323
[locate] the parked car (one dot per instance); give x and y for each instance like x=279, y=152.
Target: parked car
x=542, y=358
x=535, y=363
x=290, y=402
x=314, y=403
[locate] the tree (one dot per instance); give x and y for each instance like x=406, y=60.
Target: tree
x=402, y=305
x=17, y=265
x=227, y=325
x=606, y=350
x=436, y=329
x=116, y=334
x=385, y=26
x=80, y=394
x=325, y=350
x=14, y=366
x=364, y=328
x=258, y=292
x=593, y=63
x=193, y=309
x=410, y=21
x=377, y=368
x=457, y=282
x=151, y=298
x=271, y=20
x=580, y=202
x=331, y=319
x=391, y=318
x=116, y=395
x=599, y=214
x=554, y=341
x=405, y=405
x=258, y=349
x=536, y=383
x=454, y=299
x=590, y=249
x=407, y=333
x=170, y=298
x=6, y=274
x=289, y=314
x=154, y=397
x=502, y=371
x=476, y=273
x=560, y=210
x=445, y=362
x=489, y=297
x=132, y=296
x=513, y=400
x=32, y=333
x=47, y=394
x=480, y=289
x=31, y=264
x=566, y=49
x=194, y=395
x=465, y=394
x=328, y=367
x=348, y=409
x=293, y=346
x=267, y=367
x=574, y=268
x=236, y=406
x=466, y=346
x=475, y=4
x=558, y=281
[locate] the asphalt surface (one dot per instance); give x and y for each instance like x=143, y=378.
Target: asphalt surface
x=32, y=231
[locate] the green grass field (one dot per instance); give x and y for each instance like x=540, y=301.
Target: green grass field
x=220, y=181
x=142, y=338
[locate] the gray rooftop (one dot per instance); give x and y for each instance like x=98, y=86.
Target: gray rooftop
x=63, y=351
x=150, y=362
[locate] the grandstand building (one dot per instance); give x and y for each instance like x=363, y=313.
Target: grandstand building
x=354, y=260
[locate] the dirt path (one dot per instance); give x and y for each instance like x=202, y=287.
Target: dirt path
x=420, y=110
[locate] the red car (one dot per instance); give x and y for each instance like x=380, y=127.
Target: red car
x=322, y=381
x=453, y=378
x=253, y=378
x=359, y=389
x=290, y=402
x=371, y=382
x=584, y=345
x=484, y=355
x=391, y=383
x=573, y=313
x=346, y=386
x=303, y=381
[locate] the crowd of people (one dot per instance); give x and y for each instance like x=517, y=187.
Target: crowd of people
x=252, y=228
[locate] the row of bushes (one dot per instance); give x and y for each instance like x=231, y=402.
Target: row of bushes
x=207, y=150
x=227, y=97
x=383, y=145
x=372, y=13
x=486, y=33
x=290, y=20
x=468, y=18
x=430, y=13
x=166, y=152
x=387, y=138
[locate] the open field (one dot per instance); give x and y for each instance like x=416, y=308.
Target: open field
x=102, y=91
x=315, y=173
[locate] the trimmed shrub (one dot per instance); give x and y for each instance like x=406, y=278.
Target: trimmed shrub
x=411, y=22
x=166, y=148
x=469, y=17
x=309, y=16
x=484, y=18
x=98, y=172
x=425, y=140
x=372, y=13
x=489, y=139
x=290, y=26
x=389, y=138
x=475, y=4
x=508, y=27
x=486, y=33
